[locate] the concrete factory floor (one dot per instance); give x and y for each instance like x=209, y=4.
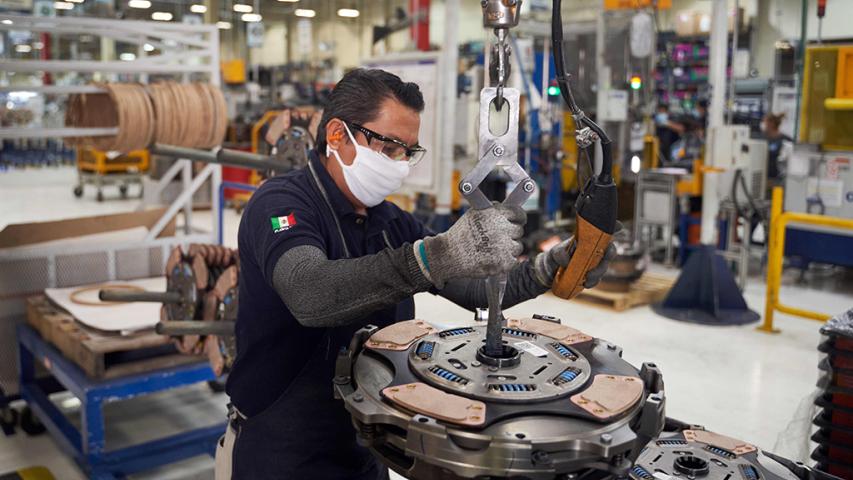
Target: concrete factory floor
x=734, y=380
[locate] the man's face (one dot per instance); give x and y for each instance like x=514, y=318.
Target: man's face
x=394, y=120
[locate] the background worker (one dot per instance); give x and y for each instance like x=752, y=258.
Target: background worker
x=778, y=149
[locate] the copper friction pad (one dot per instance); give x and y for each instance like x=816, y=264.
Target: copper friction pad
x=609, y=395
x=399, y=336
x=565, y=334
x=421, y=398
x=720, y=441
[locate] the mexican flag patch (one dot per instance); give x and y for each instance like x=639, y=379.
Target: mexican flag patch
x=279, y=224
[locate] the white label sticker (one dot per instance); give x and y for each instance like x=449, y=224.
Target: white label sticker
x=532, y=349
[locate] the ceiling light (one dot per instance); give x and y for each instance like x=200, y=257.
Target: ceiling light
x=127, y=57
x=23, y=48
x=198, y=8
x=148, y=47
x=139, y=4
x=242, y=8
x=38, y=45
x=348, y=12
x=251, y=17
x=305, y=12
x=223, y=25
x=6, y=21
x=63, y=5
x=161, y=16
x=76, y=1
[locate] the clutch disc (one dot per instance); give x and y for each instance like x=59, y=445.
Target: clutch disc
x=559, y=403
x=698, y=454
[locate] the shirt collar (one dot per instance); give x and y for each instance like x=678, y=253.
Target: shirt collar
x=383, y=212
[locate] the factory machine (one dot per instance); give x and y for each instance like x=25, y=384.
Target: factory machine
x=528, y=398
x=819, y=172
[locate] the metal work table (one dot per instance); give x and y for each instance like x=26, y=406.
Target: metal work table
x=87, y=445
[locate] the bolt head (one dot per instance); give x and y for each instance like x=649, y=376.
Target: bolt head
x=606, y=438
x=475, y=364
x=467, y=187
x=528, y=186
x=357, y=397
x=499, y=150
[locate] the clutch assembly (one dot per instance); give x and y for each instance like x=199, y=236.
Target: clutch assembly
x=557, y=403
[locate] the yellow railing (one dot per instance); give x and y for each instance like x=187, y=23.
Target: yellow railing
x=776, y=251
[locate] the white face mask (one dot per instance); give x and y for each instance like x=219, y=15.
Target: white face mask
x=372, y=175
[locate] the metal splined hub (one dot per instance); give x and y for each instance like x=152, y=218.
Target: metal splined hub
x=428, y=407
x=547, y=370
x=706, y=456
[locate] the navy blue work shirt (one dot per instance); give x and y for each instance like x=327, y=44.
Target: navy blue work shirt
x=303, y=207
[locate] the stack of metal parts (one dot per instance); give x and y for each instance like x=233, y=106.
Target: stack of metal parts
x=199, y=304
x=692, y=452
x=431, y=404
x=834, y=436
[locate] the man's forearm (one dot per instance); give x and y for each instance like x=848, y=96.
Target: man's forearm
x=521, y=286
x=327, y=293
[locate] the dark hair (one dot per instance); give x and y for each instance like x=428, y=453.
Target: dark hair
x=774, y=119
x=359, y=94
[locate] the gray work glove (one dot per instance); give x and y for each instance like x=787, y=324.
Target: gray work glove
x=546, y=264
x=480, y=244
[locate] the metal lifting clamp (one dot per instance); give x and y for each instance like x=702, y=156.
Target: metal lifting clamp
x=498, y=147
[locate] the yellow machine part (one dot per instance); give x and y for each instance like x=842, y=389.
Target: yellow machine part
x=569, y=172
x=96, y=161
x=844, y=76
x=828, y=78
x=233, y=71
x=651, y=152
x=633, y=4
x=455, y=195
x=30, y=473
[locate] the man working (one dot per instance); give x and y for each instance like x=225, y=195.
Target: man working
x=322, y=254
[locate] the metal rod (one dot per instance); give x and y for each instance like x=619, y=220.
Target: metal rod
x=53, y=89
x=154, y=297
x=494, y=330
x=36, y=132
x=59, y=66
x=194, y=327
x=223, y=156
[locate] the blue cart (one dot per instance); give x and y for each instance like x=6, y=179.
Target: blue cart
x=87, y=445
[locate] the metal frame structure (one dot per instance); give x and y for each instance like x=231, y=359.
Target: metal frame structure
x=651, y=181
x=87, y=445
x=779, y=220
x=735, y=250
x=187, y=49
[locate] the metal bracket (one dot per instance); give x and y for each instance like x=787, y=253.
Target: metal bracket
x=497, y=151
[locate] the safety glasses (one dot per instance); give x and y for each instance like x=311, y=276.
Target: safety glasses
x=394, y=149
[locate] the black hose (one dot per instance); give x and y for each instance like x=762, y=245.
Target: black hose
x=581, y=120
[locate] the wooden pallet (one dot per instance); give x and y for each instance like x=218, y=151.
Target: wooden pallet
x=102, y=354
x=649, y=288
